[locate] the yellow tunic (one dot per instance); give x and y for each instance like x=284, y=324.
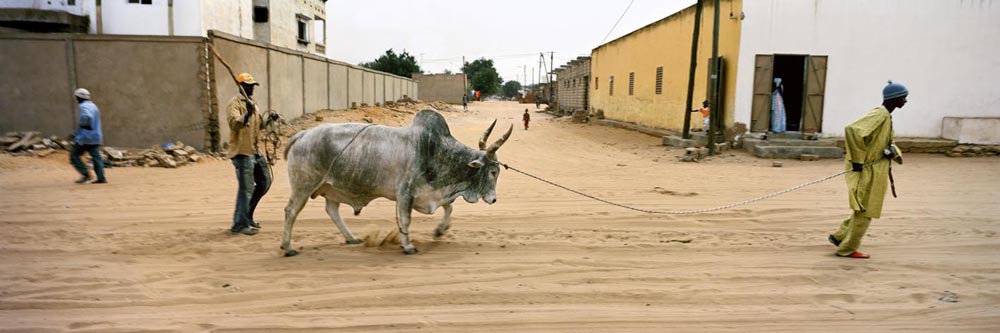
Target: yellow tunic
x=866, y=138
x=244, y=139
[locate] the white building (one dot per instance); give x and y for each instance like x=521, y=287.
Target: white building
x=836, y=55
x=294, y=24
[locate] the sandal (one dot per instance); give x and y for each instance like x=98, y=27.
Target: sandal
x=855, y=255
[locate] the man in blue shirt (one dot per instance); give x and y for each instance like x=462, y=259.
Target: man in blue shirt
x=87, y=138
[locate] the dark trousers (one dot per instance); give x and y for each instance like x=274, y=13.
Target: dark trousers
x=254, y=177
x=95, y=155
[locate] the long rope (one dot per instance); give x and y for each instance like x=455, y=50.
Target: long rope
x=680, y=212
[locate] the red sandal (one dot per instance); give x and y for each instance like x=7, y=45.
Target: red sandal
x=856, y=255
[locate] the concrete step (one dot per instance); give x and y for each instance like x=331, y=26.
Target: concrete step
x=793, y=152
x=919, y=145
x=750, y=143
x=677, y=141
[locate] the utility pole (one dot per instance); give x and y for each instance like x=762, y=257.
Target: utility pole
x=552, y=68
x=525, y=83
x=686, y=134
x=713, y=99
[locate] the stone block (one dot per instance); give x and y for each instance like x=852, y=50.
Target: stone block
x=809, y=157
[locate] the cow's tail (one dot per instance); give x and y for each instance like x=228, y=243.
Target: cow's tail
x=292, y=141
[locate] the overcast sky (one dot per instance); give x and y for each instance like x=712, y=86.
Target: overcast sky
x=511, y=32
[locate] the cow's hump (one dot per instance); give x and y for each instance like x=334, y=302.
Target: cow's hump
x=431, y=123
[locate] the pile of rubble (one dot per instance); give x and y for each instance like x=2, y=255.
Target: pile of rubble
x=169, y=155
x=974, y=151
x=412, y=106
x=33, y=144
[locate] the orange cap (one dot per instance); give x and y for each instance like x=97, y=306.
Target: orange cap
x=245, y=78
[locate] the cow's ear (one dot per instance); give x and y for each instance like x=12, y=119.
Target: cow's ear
x=476, y=164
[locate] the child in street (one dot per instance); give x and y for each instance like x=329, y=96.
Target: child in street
x=526, y=118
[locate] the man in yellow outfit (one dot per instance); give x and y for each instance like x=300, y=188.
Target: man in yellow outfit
x=869, y=153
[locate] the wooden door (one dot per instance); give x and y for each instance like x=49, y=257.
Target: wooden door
x=760, y=109
x=812, y=111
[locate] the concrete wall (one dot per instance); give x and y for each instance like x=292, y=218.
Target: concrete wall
x=41, y=98
x=572, y=85
x=379, y=88
x=135, y=94
x=317, y=85
x=441, y=87
x=944, y=51
x=141, y=104
x=286, y=89
x=355, y=87
x=293, y=83
x=665, y=43
x=338, y=87
x=368, y=87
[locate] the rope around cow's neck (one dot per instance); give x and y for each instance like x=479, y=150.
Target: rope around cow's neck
x=684, y=212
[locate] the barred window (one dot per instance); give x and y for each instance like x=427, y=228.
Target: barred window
x=595, y=83
x=631, y=83
x=611, y=86
x=659, y=80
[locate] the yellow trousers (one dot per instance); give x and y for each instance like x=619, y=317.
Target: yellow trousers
x=851, y=232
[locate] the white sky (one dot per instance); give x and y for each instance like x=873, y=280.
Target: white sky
x=511, y=32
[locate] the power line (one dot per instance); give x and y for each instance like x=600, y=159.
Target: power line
x=616, y=22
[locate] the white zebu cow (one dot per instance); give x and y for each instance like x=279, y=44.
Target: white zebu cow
x=421, y=167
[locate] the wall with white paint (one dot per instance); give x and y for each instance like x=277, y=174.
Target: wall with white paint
x=944, y=51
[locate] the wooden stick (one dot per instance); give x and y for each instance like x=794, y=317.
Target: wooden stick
x=230, y=69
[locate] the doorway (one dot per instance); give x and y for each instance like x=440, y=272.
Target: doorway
x=791, y=69
x=804, y=81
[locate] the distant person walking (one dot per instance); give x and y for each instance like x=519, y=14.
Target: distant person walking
x=869, y=151
x=526, y=118
x=245, y=151
x=465, y=102
x=87, y=138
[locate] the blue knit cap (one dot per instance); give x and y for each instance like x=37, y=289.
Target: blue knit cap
x=893, y=90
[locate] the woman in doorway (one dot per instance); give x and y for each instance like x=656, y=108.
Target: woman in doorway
x=777, y=107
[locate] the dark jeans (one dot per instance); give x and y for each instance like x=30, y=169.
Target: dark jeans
x=95, y=155
x=254, y=177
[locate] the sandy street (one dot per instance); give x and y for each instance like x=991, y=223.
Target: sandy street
x=151, y=251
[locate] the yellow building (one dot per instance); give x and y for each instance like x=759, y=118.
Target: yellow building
x=642, y=77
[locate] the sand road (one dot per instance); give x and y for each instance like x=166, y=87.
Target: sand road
x=151, y=251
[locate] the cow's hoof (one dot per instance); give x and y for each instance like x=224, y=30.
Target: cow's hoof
x=291, y=253
x=410, y=250
x=438, y=233
x=353, y=242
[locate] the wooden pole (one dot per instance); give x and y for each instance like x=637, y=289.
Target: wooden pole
x=694, y=65
x=713, y=99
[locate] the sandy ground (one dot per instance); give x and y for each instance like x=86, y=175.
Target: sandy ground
x=151, y=251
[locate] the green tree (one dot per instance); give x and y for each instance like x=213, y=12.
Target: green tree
x=483, y=76
x=511, y=88
x=402, y=64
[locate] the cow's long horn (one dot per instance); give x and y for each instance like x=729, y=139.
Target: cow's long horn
x=486, y=135
x=496, y=145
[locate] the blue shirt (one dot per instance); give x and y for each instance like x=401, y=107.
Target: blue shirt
x=89, y=115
